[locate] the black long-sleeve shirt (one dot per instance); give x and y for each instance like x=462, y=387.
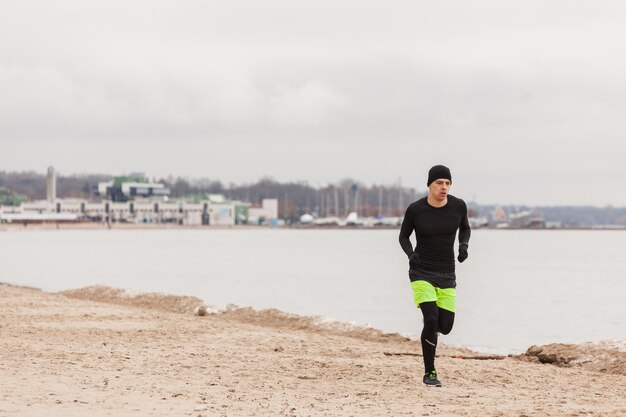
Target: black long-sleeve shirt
x=435, y=229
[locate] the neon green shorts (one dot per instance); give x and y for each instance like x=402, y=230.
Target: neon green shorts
x=424, y=291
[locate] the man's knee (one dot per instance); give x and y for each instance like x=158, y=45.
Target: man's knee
x=445, y=329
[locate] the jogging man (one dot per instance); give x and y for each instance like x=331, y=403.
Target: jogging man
x=435, y=220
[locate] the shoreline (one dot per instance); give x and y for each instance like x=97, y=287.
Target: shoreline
x=100, y=351
x=156, y=226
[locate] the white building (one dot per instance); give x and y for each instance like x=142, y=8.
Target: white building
x=206, y=212
x=267, y=212
x=125, y=189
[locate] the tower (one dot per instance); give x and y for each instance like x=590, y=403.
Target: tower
x=51, y=185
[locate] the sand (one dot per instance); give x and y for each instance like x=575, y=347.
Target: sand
x=107, y=352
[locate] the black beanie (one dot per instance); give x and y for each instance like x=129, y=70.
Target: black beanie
x=438, y=171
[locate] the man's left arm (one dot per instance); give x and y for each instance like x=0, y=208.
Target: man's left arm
x=464, y=235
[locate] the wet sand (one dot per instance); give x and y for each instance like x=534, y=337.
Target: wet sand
x=108, y=352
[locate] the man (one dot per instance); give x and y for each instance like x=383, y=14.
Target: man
x=435, y=220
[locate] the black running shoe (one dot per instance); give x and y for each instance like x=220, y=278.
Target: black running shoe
x=430, y=379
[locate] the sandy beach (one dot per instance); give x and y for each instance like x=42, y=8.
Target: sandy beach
x=108, y=352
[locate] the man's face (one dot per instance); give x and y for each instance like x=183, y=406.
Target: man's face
x=439, y=188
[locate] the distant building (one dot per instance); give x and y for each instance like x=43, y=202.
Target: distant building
x=37, y=212
x=267, y=213
x=128, y=188
x=478, y=222
x=216, y=211
x=527, y=220
x=135, y=199
x=498, y=216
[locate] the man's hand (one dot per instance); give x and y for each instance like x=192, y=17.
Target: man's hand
x=462, y=252
x=414, y=260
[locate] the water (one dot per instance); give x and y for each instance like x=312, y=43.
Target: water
x=518, y=288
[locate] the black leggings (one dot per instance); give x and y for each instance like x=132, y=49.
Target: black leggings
x=435, y=320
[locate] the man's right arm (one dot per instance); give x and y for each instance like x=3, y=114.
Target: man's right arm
x=405, y=232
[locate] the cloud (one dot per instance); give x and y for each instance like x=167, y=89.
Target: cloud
x=311, y=105
x=530, y=91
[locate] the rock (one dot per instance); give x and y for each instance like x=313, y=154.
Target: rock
x=200, y=310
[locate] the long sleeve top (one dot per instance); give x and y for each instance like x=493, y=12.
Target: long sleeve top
x=435, y=230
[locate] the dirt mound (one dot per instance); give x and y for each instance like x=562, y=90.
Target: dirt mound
x=272, y=318
x=166, y=302
x=6, y=284
x=607, y=357
x=278, y=319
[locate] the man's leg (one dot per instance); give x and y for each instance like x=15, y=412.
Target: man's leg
x=429, y=334
x=446, y=321
x=446, y=301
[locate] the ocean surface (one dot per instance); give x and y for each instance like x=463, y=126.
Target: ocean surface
x=518, y=288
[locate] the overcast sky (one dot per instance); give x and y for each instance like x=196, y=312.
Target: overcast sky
x=524, y=101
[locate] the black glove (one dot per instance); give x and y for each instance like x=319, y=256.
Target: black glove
x=414, y=260
x=462, y=252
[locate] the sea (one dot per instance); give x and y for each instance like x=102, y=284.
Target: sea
x=517, y=288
